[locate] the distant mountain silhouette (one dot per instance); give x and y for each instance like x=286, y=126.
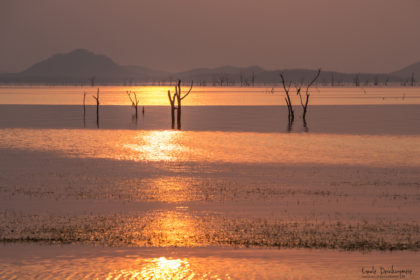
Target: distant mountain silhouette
x=81, y=65
x=408, y=71
x=78, y=63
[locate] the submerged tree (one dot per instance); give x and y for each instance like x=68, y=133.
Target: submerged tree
x=179, y=98
x=307, y=95
x=97, y=107
x=286, y=88
x=247, y=79
x=304, y=100
x=84, y=108
x=172, y=102
x=386, y=81
x=357, y=80
x=134, y=101
x=175, y=101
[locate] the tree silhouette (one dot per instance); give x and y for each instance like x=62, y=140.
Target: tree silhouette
x=175, y=101
x=134, y=101
x=97, y=107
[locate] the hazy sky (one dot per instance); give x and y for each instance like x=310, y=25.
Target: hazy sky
x=176, y=35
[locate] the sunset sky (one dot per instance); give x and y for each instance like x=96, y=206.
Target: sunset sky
x=177, y=35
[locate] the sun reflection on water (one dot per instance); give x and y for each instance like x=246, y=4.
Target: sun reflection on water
x=170, y=189
x=168, y=268
x=157, y=146
x=174, y=228
x=217, y=147
x=163, y=268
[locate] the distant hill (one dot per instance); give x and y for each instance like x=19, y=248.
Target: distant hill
x=408, y=71
x=80, y=66
x=84, y=66
x=78, y=63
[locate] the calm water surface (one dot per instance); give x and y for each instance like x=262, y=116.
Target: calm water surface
x=206, y=96
x=233, y=178
x=74, y=262
x=231, y=147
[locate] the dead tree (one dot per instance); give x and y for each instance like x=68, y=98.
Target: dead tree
x=172, y=102
x=386, y=81
x=357, y=80
x=286, y=88
x=307, y=95
x=375, y=81
x=176, y=103
x=84, y=108
x=97, y=107
x=134, y=101
x=179, y=99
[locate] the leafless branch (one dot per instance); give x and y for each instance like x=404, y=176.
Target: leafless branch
x=192, y=82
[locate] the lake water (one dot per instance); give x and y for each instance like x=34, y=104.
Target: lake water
x=334, y=194
x=206, y=96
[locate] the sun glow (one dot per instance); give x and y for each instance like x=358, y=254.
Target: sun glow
x=163, y=268
x=170, y=189
x=174, y=228
x=157, y=268
x=157, y=146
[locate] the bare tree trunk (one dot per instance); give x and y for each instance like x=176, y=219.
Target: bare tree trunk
x=357, y=80
x=97, y=115
x=172, y=101
x=307, y=95
x=178, y=98
x=97, y=108
x=178, y=108
x=304, y=111
x=289, y=126
x=84, y=109
x=291, y=114
x=134, y=101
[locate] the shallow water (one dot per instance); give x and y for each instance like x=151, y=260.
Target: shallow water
x=334, y=119
x=220, y=96
x=77, y=262
x=201, y=147
x=234, y=177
